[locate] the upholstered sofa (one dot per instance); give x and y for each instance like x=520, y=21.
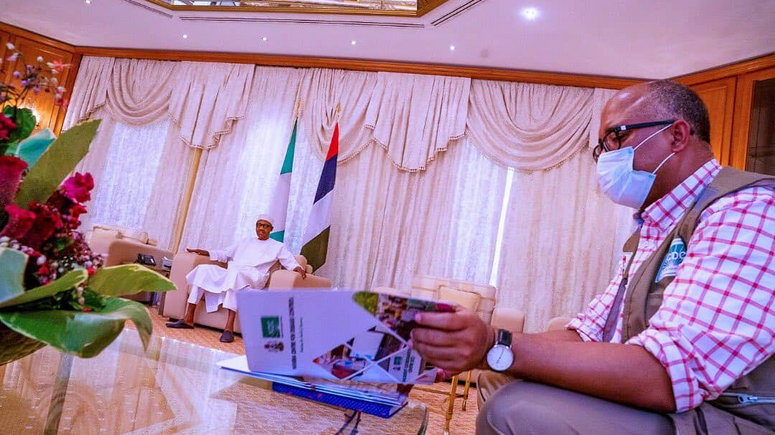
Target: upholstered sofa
x=174, y=305
x=121, y=245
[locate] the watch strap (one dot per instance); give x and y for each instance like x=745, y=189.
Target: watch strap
x=503, y=337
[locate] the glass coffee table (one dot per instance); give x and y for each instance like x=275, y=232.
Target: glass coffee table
x=174, y=387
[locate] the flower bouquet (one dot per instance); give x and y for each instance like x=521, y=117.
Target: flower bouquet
x=53, y=288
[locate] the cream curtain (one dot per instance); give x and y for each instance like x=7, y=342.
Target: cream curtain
x=526, y=126
x=388, y=225
x=415, y=117
x=207, y=98
x=91, y=89
x=147, y=196
x=561, y=241
x=139, y=91
x=321, y=93
x=202, y=98
x=236, y=180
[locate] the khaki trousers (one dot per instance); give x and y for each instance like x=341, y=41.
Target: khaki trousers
x=510, y=406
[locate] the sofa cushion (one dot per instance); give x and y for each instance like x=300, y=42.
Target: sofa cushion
x=392, y=291
x=137, y=235
x=100, y=239
x=123, y=232
x=463, y=298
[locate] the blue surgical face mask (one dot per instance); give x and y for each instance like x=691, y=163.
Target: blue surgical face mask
x=620, y=182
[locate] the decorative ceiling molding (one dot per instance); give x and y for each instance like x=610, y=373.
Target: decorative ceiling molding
x=455, y=12
x=395, y=8
x=146, y=7
x=226, y=19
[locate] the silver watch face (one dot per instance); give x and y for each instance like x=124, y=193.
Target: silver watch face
x=500, y=357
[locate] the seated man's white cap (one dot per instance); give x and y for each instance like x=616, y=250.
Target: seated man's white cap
x=265, y=217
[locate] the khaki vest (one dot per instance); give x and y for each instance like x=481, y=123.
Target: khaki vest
x=644, y=296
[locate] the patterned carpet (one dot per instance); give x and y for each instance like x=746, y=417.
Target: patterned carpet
x=463, y=422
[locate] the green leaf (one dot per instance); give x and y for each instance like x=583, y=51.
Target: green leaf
x=56, y=163
x=128, y=279
x=66, y=282
x=12, y=264
x=367, y=300
x=10, y=149
x=32, y=148
x=24, y=120
x=81, y=334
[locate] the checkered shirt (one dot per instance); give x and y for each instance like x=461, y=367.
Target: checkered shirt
x=716, y=322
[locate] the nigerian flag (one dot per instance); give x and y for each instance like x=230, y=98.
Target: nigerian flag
x=279, y=206
x=315, y=241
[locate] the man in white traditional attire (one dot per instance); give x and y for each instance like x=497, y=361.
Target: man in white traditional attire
x=249, y=261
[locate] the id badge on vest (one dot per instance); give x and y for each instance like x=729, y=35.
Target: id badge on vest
x=674, y=257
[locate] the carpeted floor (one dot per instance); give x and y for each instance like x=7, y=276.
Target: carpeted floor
x=463, y=422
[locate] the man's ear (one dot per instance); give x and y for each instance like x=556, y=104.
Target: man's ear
x=681, y=133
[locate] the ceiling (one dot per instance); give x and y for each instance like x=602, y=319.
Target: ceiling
x=622, y=38
x=411, y=8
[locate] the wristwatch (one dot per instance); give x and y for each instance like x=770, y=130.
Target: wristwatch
x=500, y=356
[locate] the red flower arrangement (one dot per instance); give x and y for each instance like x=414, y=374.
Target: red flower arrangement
x=50, y=275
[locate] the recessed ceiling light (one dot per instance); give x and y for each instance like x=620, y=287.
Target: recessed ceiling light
x=353, y=42
x=185, y=36
x=264, y=38
x=88, y=2
x=451, y=48
x=530, y=14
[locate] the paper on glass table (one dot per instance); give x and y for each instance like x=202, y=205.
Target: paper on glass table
x=335, y=335
x=239, y=364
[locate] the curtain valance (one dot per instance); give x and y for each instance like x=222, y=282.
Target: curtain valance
x=202, y=98
x=415, y=117
x=529, y=127
x=207, y=98
x=139, y=90
x=328, y=96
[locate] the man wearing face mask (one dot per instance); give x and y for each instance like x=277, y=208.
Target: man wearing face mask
x=682, y=339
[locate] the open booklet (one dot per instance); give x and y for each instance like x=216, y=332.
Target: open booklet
x=334, y=335
x=382, y=400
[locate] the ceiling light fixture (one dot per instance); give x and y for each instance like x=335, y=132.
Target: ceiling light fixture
x=185, y=36
x=451, y=48
x=264, y=38
x=353, y=42
x=88, y=2
x=530, y=14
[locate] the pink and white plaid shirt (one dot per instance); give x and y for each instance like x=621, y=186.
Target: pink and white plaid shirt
x=717, y=321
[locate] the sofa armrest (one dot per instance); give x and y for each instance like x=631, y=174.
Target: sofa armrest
x=182, y=264
x=123, y=251
x=510, y=319
x=289, y=280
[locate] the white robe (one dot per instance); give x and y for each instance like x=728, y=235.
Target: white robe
x=249, y=261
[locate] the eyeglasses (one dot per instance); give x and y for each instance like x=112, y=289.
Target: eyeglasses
x=612, y=139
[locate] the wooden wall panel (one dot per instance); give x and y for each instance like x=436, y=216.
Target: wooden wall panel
x=742, y=114
x=43, y=103
x=728, y=93
x=732, y=70
x=4, y=38
x=719, y=96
